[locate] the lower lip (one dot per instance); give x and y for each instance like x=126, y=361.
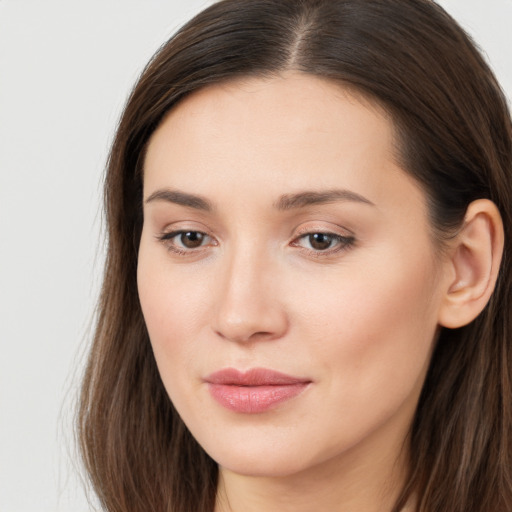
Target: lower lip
x=254, y=399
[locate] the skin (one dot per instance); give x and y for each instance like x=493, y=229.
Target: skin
x=358, y=319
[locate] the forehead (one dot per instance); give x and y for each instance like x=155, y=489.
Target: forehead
x=293, y=104
x=293, y=131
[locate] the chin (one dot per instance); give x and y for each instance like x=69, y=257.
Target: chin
x=277, y=467
x=256, y=460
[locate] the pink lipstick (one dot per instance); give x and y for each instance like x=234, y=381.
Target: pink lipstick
x=254, y=391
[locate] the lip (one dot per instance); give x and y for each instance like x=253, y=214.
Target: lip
x=254, y=391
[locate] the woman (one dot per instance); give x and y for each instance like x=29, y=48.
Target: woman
x=306, y=297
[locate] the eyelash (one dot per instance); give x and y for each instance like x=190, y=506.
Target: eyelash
x=167, y=240
x=343, y=243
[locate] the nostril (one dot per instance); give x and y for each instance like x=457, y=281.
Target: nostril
x=244, y=335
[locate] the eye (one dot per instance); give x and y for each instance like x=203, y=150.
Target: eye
x=185, y=240
x=191, y=239
x=320, y=241
x=323, y=242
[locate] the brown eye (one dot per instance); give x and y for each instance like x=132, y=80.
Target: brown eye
x=320, y=241
x=192, y=239
x=183, y=241
x=324, y=243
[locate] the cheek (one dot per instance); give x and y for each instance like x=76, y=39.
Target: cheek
x=174, y=307
x=373, y=328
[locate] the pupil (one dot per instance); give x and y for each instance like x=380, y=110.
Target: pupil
x=192, y=239
x=320, y=241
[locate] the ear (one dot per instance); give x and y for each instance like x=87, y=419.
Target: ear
x=473, y=265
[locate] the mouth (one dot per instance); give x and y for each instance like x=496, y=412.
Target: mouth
x=254, y=391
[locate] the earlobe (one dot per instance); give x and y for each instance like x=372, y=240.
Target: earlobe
x=474, y=262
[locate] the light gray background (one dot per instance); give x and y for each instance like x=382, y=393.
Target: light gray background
x=66, y=67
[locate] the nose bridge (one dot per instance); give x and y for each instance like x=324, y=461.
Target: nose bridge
x=248, y=306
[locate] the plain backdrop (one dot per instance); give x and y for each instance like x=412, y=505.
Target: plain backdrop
x=66, y=67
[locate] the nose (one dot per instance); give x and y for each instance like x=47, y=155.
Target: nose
x=248, y=307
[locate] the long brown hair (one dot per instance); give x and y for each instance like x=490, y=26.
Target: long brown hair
x=455, y=139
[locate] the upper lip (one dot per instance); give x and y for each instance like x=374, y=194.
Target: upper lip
x=253, y=377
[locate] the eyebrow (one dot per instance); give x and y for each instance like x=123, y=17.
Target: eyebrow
x=308, y=198
x=181, y=198
x=285, y=202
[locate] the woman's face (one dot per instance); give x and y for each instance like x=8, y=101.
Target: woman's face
x=287, y=275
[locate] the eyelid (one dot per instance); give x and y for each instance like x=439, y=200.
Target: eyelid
x=329, y=229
